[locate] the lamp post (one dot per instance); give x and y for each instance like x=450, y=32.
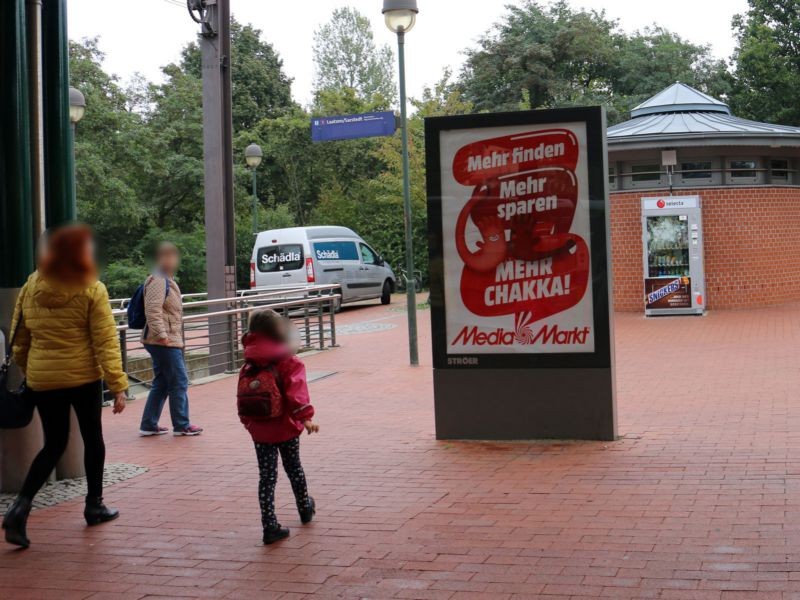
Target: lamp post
x=253, y=156
x=77, y=108
x=400, y=16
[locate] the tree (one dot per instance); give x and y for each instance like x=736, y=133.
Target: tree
x=551, y=56
x=443, y=98
x=260, y=88
x=347, y=57
x=538, y=56
x=768, y=62
x=171, y=169
x=655, y=58
x=107, y=196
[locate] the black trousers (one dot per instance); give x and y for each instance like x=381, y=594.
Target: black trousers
x=53, y=406
x=268, y=471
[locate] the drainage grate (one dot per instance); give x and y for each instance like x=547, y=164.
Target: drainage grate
x=363, y=328
x=67, y=489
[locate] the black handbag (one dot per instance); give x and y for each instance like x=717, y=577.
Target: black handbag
x=16, y=406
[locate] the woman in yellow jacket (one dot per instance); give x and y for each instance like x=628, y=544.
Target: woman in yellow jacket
x=66, y=344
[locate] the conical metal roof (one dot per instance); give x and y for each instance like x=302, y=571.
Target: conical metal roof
x=680, y=97
x=682, y=115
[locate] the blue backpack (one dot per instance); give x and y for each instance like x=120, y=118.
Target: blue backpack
x=136, y=315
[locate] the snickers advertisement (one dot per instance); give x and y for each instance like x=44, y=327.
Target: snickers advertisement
x=668, y=293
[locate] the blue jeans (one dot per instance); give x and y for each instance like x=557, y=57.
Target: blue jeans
x=170, y=380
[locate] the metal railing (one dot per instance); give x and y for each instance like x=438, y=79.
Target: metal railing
x=213, y=329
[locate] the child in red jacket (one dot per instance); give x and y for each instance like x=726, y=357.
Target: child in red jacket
x=266, y=346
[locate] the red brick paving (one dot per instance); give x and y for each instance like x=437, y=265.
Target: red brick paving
x=698, y=500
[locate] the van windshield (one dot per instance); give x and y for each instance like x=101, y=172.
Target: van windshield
x=286, y=257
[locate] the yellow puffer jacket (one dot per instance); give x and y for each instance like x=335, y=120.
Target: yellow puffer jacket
x=67, y=337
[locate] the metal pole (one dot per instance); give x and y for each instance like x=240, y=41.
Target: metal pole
x=411, y=295
x=17, y=447
x=255, y=203
x=218, y=163
x=37, y=115
x=59, y=164
x=74, y=129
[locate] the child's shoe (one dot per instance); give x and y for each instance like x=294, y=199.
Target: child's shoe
x=308, y=513
x=275, y=534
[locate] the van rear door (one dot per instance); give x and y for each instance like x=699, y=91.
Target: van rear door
x=281, y=264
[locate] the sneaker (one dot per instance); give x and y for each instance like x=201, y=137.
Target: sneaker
x=190, y=430
x=275, y=534
x=149, y=432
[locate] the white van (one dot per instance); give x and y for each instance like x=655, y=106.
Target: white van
x=322, y=255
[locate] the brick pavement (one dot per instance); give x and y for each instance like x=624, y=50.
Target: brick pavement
x=698, y=500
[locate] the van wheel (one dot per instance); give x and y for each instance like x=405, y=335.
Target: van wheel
x=386, y=295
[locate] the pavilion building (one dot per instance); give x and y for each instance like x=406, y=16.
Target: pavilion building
x=746, y=174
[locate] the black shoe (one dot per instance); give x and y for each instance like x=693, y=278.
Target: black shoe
x=307, y=515
x=96, y=512
x=275, y=534
x=15, y=520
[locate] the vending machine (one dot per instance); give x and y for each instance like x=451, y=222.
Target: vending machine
x=674, y=281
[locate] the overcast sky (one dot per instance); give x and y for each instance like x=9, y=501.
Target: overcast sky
x=143, y=36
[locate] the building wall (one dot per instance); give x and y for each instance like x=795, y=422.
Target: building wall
x=752, y=246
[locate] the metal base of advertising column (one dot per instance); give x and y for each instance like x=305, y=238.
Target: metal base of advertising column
x=521, y=316
x=529, y=404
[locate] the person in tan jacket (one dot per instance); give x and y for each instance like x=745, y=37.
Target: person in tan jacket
x=66, y=344
x=163, y=340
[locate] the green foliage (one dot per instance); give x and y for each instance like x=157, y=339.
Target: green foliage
x=347, y=58
x=140, y=158
x=543, y=56
x=107, y=190
x=260, y=88
x=768, y=62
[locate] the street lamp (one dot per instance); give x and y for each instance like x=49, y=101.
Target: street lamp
x=77, y=105
x=77, y=108
x=400, y=16
x=253, y=156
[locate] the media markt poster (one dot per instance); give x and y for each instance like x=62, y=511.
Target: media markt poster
x=515, y=221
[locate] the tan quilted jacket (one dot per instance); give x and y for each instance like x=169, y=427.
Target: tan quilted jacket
x=164, y=313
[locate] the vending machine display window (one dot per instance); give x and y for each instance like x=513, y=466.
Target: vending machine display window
x=668, y=246
x=673, y=255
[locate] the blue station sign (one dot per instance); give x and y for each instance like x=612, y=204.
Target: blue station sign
x=350, y=127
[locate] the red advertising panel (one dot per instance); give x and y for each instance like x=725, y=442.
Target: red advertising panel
x=516, y=239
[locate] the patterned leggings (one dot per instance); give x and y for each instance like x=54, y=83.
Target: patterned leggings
x=268, y=476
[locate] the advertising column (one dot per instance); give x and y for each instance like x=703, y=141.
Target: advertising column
x=517, y=209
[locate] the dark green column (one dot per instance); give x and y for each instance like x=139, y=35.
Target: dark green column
x=59, y=160
x=16, y=221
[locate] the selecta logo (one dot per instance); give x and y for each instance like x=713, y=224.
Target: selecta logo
x=661, y=203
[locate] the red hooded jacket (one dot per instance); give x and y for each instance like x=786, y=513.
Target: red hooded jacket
x=263, y=352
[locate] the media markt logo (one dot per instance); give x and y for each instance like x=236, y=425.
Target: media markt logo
x=523, y=334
